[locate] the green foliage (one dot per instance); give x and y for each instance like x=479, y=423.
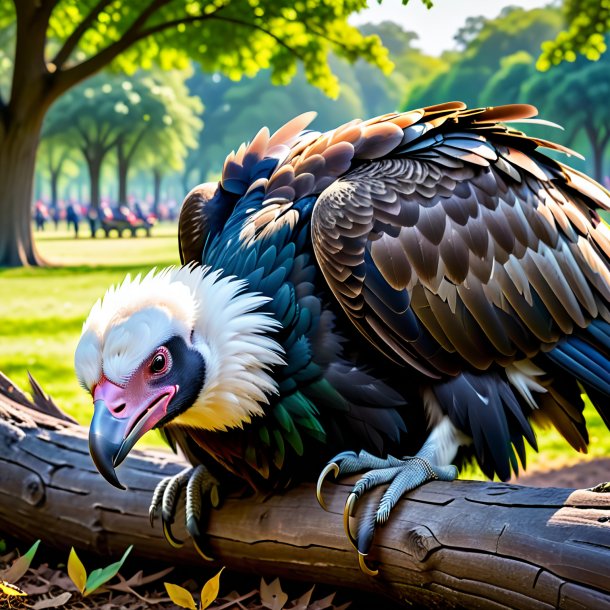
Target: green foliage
x=97, y=578
x=147, y=112
x=588, y=21
x=166, y=143
x=505, y=86
x=235, y=37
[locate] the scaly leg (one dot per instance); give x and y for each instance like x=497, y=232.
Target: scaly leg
x=431, y=463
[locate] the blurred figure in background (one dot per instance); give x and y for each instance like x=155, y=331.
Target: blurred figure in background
x=72, y=218
x=56, y=215
x=92, y=217
x=41, y=215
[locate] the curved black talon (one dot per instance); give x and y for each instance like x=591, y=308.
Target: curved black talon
x=330, y=467
x=200, y=551
x=157, y=498
x=363, y=565
x=348, y=511
x=169, y=536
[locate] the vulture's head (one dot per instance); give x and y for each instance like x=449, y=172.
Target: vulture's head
x=181, y=347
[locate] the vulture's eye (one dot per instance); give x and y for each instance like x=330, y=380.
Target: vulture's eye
x=161, y=361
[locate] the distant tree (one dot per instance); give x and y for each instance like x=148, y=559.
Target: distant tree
x=231, y=117
x=60, y=43
x=472, y=70
x=579, y=101
x=166, y=145
x=469, y=31
x=54, y=155
x=381, y=93
x=506, y=85
x=99, y=114
x=164, y=138
x=235, y=111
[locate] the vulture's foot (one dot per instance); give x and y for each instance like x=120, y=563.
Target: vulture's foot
x=198, y=483
x=403, y=475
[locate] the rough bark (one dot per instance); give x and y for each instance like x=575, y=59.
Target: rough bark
x=20, y=125
x=17, y=164
x=461, y=544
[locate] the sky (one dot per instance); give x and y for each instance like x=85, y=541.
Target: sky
x=437, y=26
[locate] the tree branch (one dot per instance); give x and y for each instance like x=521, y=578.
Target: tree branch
x=72, y=41
x=325, y=36
x=260, y=28
x=73, y=75
x=136, y=142
x=67, y=78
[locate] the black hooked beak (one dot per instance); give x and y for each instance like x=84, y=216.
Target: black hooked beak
x=106, y=438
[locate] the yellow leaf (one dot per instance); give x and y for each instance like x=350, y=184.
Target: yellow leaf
x=210, y=590
x=8, y=589
x=76, y=571
x=180, y=596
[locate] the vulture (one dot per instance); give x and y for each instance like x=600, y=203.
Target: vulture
x=391, y=298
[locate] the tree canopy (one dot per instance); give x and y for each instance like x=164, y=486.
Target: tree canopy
x=53, y=45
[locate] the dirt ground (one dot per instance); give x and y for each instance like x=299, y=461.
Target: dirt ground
x=580, y=475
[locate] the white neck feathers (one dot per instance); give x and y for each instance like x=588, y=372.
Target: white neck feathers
x=214, y=314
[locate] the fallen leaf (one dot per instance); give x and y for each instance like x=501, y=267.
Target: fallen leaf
x=138, y=580
x=101, y=576
x=52, y=602
x=20, y=565
x=210, y=590
x=10, y=590
x=272, y=596
x=303, y=602
x=322, y=604
x=234, y=598
x=76, y=571
x=180, y=596
x=127, y=589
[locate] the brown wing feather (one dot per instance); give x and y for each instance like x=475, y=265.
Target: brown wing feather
x=193, y=223
x=493, y=269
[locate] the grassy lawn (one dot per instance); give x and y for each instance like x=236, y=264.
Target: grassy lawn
x=42, y=311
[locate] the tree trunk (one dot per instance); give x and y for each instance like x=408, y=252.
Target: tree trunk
x=54, y=180
x=460, y=544
x=157, y=177
x=94, y=164
x=20, y=125
x=122, y=169
x=598, y=162
x=18, y=146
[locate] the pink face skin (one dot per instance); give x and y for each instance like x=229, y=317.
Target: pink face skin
x=138, y=402
x=124, y=413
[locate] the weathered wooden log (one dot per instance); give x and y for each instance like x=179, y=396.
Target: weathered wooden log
x=460, y=544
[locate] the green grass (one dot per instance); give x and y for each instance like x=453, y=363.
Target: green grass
x=42, y=311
